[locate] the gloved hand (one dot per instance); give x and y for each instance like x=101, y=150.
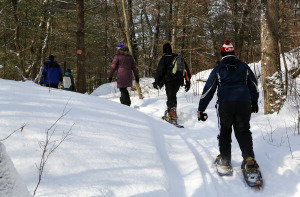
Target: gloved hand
x=110, y=79
x=187, y=86
x=155, y=85
x=254, y=107
x=202, y=116
x=137, y=79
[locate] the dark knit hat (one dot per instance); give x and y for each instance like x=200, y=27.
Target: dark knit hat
x=227, y=48
x=51, y=57
x=167, y=48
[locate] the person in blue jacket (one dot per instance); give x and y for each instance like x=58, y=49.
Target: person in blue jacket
x=52, y=74
x=237, y=99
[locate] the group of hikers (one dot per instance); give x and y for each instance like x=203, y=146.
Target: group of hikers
x=233, y=79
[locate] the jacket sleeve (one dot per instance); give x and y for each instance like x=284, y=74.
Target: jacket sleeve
x=45, y=70
x=161, y=70
x=208, y=90
x=252, y=85
x=114, y=66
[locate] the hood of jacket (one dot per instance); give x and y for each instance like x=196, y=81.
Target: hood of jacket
x=230, y=63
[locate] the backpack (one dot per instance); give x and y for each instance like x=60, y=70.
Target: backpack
x=67, y=82
x=177, y=68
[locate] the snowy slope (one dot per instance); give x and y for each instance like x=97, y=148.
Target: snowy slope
x=115, y=150
x=10, y=182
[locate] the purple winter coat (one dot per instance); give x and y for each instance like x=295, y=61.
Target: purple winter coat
x=123, y=62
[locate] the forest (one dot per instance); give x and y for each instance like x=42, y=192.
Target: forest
x=83, y=36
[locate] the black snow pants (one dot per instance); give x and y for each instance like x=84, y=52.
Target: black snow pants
x=172, y=88
x=236, y=115
x=125, y=98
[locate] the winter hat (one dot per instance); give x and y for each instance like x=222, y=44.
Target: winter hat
x=120, y=46
x=51, y=57
x=167, y=48
x=227, y=48
x=124, y=48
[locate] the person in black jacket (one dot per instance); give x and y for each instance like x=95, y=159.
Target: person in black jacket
x=163, y=77
x=237, y=98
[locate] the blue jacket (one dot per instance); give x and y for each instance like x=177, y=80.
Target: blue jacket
x=235, y=81
x=52, y=73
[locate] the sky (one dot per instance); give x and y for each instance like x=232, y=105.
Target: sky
x=113, y=150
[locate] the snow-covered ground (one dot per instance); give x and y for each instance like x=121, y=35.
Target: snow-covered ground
x=119, y=151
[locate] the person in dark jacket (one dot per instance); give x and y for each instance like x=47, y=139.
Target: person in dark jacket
x=124, y=64
x=237, y=98
x=68, y=81
x=162, y=77
x=52, y=74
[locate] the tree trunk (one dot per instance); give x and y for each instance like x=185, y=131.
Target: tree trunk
x=81, y=78
x=153, y=53
x=271, y=71
x=43, y=50
x=132, y=32
x=41, y=46
x=118, y=18
x=170, y=17
x=174, y=31
x=17, y=35
x=129, y=45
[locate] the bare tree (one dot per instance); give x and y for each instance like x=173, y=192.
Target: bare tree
x=50, y=145
x=271, y=71
x=129, y=45
x=80, y=32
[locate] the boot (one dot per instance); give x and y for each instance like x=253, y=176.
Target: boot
x=251, y=163
x=224, y=167
x=173, y=114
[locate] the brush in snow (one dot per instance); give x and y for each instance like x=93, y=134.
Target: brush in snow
x=252, y=174
x=167, y=118
x=224, y=168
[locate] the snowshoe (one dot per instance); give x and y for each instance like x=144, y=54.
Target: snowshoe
x=224, y=168
x=167, y=118
x=252, y=173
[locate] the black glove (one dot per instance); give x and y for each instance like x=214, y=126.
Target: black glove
x=155, y=85
x=187, y=86
x=137, y=79
x=254, y=107
x=110, y=79
x=60, y=78
x=203, y=116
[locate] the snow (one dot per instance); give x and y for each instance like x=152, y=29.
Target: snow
x=118, y=151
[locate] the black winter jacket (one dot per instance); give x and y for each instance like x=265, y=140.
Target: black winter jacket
x=235, y=82
x=162, y=75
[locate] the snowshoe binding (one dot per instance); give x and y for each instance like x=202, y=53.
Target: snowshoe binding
x=224, y=168
x=252, y=173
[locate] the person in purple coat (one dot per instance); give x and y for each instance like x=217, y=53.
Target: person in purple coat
x=124, y=64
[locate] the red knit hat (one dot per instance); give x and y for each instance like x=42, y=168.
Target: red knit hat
x=227, y=46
